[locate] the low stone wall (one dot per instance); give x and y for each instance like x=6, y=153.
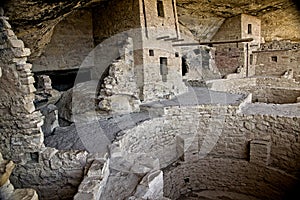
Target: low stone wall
x=268, y=90
x=94, y=181
x=54, y=174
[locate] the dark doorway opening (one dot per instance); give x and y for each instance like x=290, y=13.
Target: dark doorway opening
x=163, y=68
x=184, y=66
x=63, y=80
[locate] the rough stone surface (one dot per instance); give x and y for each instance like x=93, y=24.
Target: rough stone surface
x=7, y=191
x=71, y=42
x=51, y=119
x=16, y=101
x=236, y=57
x=36, y=27
x=78, y=100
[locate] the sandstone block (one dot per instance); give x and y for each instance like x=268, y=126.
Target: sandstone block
x=26, y=67
x=260, y=152
x=10, y=32
x=20, y=61
x=21, y=52
x=51, y=119
x=16, y=43
x=29, y=107
x=96, y=169
x=27, y=81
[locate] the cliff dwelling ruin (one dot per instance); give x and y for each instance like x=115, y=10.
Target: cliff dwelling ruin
x=149, y=99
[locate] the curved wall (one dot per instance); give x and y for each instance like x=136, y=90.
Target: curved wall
x=229, y=175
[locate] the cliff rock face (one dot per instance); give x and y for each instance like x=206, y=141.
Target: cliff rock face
x=34, y=20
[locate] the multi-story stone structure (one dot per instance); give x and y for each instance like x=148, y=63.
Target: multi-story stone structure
x=237, y=56
x=151, y=24
x=204, y=144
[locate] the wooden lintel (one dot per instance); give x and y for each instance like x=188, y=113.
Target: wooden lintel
x=215, y=42
x=163, y=37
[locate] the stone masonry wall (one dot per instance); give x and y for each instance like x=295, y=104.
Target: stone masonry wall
x=159, y=26
x=237, y=57
x=200, y=128
x=119, y=92
x=226, y=175
x=277, y=62
x=71, y=42
x=234, y=131
x=20, y=124
x=268, y=90
x=7, y=190
x=229, y=58
x=229, y=30
x=54, y=174
x=158, y=82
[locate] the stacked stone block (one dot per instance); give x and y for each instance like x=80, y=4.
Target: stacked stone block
x=54, y=174
x=16, y=107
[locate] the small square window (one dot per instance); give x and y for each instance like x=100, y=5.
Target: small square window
x=274, y=58
x=151, y=52
x=176, y=54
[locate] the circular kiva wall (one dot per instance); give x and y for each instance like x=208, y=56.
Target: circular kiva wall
x=225, y=174
x=211, y=147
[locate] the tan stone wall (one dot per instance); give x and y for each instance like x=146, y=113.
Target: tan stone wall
x=20, y=130
x=267, y=90
x=154, y=85
x=230, y=57
x=71, y=42
x=256, y=28
x=231, y=29
x=234, y=131
x=286, y=59
x=200, y=62
x=160, y=26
